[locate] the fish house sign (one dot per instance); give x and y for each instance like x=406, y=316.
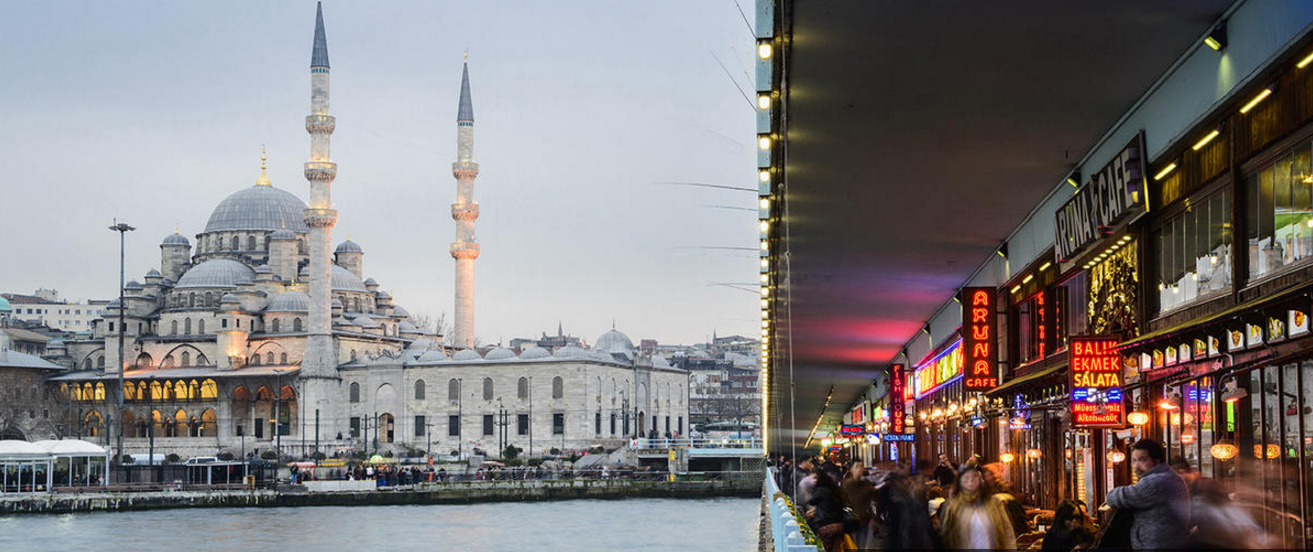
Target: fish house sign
x=1112, y=197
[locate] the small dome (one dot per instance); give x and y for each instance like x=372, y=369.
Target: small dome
x=407, y=327
x=152, y=273
x=282, y=234
x=176, y=239
x=659, y=361
x=500, y=353
x=55, y=343
x=371, y=282
x=397, y=311
x=422, y=344
x=345, y=280
x=348, y=247
x=113, y=303
x=132, y=284
x=384, y=295
x=264, y=269
x=289, y=301
x=228, y=298
x=364, y=321
x=337, y=303
x=571, y=352
x=534, y=353
x=258, y=208
x=434, y=355
x=467, y=354
x=216, y=273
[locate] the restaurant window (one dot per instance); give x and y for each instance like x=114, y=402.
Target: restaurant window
x=1194, y=252
x=1032, y=328
x=1280, y=212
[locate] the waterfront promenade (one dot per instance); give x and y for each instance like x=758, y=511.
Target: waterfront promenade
x=684, y=485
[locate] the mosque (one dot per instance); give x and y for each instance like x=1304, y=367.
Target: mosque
x=257, y=336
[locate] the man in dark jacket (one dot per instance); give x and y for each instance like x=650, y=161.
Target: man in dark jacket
x=1160, y=500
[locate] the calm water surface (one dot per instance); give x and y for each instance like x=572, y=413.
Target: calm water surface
x=713, y=525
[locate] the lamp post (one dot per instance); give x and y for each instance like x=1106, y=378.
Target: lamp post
x=122, y=229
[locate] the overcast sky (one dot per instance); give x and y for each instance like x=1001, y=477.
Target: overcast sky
x=153, y=112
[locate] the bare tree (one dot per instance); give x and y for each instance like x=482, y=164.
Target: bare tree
x=435, y=324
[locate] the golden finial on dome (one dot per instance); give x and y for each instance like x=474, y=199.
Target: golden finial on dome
x=264, y=163
x=467, y=55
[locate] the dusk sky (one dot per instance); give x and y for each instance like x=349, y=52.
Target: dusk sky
x=155, y=112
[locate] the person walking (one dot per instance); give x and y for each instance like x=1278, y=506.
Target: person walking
x=859, y=493
x=824, y=512
x=1069, y=529
x=945, y=473
x=1159, y=500
x=973, y=520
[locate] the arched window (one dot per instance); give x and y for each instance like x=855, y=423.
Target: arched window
x=558, y=387
x=269, y=358
x=487, y=389
x=282, y=358
x=236, y=243
x=129, y=391
x=209, y=390
x=275, y=325
x=201, y=360
x=255, y=359
x=86, y=363
x=156, y=391
x=419, y=390
x=100, y=361
x=194, y=390
x=186, y=357
x=250, y=243
x=296, y=324
x=174, y=326
x=522, y=388
x=200, y=326
x=356, y=302
x=209, y=299
x=209, y=424
x=355, y=392
x=353, y=354
x=453, y=390
x=191, y=299
x=599, y=389
x=100, y=392
x=180, y=391
x=186, y=326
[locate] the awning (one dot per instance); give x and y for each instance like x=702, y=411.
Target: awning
x=1024, y=379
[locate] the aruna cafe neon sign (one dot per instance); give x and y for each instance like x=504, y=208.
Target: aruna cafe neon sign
x=979, y=324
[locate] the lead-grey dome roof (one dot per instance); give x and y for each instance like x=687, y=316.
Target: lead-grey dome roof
x=289, y=301
x=348, y=247
x=535, y=353
x=345, y=280
x=258, y=208
x=467, y=354
x=216, y=273
x=153, y=273
x=365, y=321
x=398, y=311
x=571, y=352
x=500, y=353
x=175, y=239
x=282, y=234
x=433, y=355
x=615, y=342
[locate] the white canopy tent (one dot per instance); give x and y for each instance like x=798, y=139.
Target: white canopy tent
x=24, y=467
x=86, y=463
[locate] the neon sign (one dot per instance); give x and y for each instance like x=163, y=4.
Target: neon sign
x=943, y=369
x=979, y=327
x=897, y=402
x=1095, y=381
x=851, y=430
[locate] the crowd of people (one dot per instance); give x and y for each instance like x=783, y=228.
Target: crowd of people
x=849, y=506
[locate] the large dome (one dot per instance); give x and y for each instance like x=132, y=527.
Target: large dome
x=614, y=342
x=258, y=208
x=222, y=273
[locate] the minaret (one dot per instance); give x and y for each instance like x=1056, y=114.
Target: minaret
x=319, y=367
x=464, y=211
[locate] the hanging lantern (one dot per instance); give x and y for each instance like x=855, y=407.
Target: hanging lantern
x=1137, y=419
x=1273, y=451
x=1187, y=437
x=1116, y=456
x=1007, y=457
x=1067, y=453
x=1033, y=454
x=1224, y=450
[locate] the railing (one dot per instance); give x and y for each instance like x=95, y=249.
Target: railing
x=789, y=531
x=700, y=443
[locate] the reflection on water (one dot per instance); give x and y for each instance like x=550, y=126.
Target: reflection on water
x=637, y=525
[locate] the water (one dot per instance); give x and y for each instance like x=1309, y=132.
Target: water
x=634, y=525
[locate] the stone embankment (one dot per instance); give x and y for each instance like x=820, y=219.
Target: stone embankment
x=448, y=493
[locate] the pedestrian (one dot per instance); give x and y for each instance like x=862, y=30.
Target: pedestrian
x=901, y=514
x=824, y=512
x=859, y=494
x=1069, y=529
x=1219, y=523
x=973, y=519
x=1159, y=500
x=945, y=473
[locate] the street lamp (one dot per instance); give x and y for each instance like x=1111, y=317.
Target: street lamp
x=122, y=229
